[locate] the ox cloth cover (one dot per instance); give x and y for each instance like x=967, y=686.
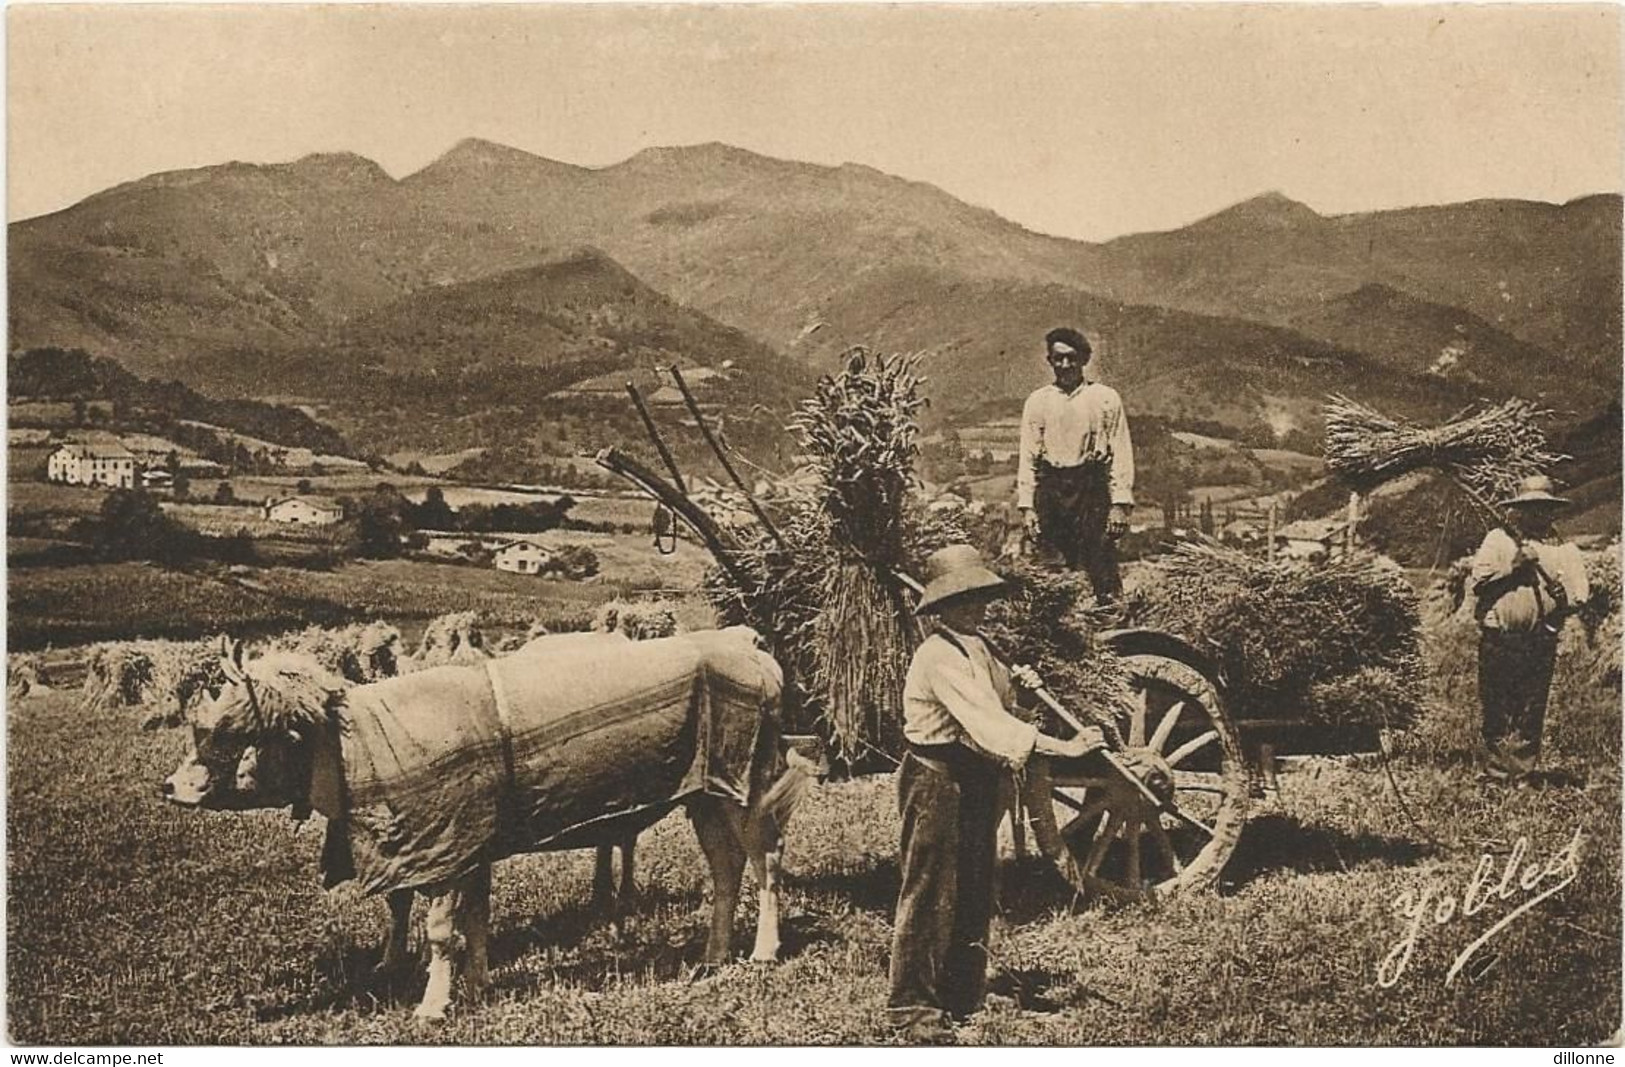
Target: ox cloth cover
x=449, y=767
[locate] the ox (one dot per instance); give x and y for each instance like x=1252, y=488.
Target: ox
x=574, y=740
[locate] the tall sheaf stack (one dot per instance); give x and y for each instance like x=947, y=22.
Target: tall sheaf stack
x=834, y=613
x=828, y=597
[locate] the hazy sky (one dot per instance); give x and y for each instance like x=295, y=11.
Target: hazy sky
x=1083, y=121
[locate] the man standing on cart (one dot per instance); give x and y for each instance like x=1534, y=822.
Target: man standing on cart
x=961, y=741
x=1075, y=478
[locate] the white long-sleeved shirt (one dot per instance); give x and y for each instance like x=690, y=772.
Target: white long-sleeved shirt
x=1064, y=428
x=954, y=696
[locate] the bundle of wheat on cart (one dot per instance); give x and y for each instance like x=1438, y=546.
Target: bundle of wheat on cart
x=825, y=574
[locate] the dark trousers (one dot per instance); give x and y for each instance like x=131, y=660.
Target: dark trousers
x=947, y=856
x=1073, y=504
x=1514, y=680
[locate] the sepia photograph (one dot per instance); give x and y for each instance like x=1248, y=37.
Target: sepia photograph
x=813, y=524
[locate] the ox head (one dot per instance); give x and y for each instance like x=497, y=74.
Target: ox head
x=753, y=640
x=246, y=752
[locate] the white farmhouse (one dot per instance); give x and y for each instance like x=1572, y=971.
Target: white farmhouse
x=521, y=557
x=303, y=510
x=1311, y=539
x=78, y=463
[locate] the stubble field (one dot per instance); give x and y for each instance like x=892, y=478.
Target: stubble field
x=135, y=923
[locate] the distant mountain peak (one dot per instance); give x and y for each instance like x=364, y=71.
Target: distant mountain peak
x=579, y=256
x=343, y=165
x=477, y=155
x=1270, y=210
x=327, y=168
x=480, y=150
x=1608, y=202
x=707, y=154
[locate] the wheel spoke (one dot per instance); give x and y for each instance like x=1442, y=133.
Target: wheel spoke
x=1166, y=726
x=1199, y=781
x=1107, y=834
x=1136, y=725
x=1097, y=851
x=1061, y=795
x=1190, y=820
x=1086, y=812
x=1195, y=744
x=1167, y=845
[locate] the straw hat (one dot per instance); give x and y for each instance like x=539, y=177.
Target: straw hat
x=954, y=571
x=1535, y=489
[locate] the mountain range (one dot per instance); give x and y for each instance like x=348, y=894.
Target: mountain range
x=492, y=270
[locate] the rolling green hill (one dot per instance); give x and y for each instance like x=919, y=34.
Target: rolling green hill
x=132, y=401
x=753, y=241
x=986, y=340
x=161, y=270
x=1416, y=337
x=1547, y=274
x=448, y=302
x=483, y=362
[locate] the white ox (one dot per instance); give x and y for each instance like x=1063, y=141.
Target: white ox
x=524, y=770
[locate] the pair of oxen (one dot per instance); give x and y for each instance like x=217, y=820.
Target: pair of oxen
x=570, y=741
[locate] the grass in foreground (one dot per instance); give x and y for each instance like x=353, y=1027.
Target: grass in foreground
x=130, y=922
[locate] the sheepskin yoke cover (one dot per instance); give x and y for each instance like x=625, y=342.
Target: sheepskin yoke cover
x=453, y=766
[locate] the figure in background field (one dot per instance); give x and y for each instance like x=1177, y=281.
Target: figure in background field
x=1075, y=477
x=1525, y=583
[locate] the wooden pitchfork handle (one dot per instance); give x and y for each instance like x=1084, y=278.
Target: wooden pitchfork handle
x=722, y=456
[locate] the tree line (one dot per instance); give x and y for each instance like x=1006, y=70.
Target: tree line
x=383, y=524
x=385, y=518
x=73, y=375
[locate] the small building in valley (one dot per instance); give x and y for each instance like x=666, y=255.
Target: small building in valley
x=521, y=557
x=303, y=510
x=92, y=463
x=1311, y=539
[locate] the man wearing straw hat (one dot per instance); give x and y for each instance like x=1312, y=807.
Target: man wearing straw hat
x=1524, y=586
x=1075, y=477
x=961, y=739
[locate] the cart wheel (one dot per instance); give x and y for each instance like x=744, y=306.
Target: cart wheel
x=1103, y=834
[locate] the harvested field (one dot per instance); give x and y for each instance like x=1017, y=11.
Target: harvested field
x=111, y=601
x=220, y=934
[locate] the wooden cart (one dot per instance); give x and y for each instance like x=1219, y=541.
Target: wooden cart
x=1172, y=822
x=1184, y=742
x=1108, y=838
